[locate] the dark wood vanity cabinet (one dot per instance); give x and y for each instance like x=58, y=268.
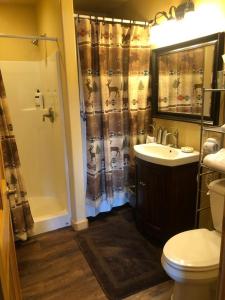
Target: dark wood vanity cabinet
x=165, y=198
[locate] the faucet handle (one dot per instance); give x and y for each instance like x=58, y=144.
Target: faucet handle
x=159, y=135
x=50, y=115
x=152, y=126
x=175, y=135
x=176, y=132
x=164, y=136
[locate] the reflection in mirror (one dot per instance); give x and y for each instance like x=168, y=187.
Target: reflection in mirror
x=179, y=74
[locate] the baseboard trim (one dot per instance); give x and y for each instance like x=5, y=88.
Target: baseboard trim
x=80, y=225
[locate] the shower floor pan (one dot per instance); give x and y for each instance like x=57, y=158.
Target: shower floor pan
x=48, y=214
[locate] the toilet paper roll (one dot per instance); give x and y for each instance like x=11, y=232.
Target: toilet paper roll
x=210, y=147
x=212, y=140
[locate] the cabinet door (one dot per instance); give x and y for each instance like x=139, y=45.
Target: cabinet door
x=142, y=191
x=156, y=198
x=150, y=214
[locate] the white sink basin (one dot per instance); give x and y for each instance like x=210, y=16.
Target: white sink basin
x=164, y=155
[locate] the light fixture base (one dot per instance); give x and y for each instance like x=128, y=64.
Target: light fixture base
x=184, y=8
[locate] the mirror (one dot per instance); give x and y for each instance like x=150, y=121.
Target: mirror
x=179, y=72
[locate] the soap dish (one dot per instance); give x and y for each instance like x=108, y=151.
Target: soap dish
x=223, y=127
x=187, y=149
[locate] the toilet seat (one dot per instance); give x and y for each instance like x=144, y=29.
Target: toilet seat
x=194, y=250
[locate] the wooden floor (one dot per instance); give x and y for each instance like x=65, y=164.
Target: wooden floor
x=52, y=267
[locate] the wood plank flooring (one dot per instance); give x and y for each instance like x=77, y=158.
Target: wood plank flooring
x=53, y=268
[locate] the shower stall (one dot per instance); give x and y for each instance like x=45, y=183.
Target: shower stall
x=34, y=94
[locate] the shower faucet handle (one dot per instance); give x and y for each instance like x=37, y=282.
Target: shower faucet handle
x=50, y=115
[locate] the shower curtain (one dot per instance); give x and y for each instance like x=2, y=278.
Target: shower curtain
x=20, y=210
x=114, y=62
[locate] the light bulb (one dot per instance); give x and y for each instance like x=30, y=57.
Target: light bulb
x=206, y=19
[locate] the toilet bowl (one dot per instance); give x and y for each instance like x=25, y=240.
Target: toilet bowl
x=191, y=258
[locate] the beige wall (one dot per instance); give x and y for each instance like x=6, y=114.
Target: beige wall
x=48, y=15
x=42, y=17
x=18, y=19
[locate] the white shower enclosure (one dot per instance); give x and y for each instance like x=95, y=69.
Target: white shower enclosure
x=40, y=140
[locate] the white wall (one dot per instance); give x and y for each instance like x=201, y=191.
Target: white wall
x=51, y=87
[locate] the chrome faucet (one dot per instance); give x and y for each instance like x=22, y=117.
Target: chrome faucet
x=50, y=115
x=153, y=126
x=175, y=137
x=164, y=136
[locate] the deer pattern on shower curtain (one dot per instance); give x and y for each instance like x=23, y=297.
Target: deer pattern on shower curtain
x=114, y=61
x=22, y=220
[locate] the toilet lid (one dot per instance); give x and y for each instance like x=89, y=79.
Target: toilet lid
x=199, y=248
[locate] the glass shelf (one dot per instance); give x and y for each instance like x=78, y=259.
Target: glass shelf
x=202, y=168
x=217, y=129
x=214, y=90
x=212, y=169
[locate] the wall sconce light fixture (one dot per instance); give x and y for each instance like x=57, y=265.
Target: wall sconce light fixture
x=184, y=22
x=184, y=8
x=175, y=12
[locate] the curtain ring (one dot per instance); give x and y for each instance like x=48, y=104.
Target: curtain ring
x=78, y=18
x=90, y=19
x=131, y=22
x=113, y=23
x=96, y=19
x=103, y=22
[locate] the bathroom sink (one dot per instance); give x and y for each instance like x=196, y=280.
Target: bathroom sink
x=164, y=155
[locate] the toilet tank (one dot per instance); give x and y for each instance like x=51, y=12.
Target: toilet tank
x=217, y=194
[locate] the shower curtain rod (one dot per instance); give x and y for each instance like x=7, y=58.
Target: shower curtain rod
x=115, y=20
x=28, y=37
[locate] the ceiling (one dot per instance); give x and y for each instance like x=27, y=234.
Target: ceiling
x=18, y=1
x=103, y=7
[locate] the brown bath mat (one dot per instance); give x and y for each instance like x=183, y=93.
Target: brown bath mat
x=121, y=259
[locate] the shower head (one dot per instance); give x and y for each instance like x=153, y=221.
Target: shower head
x=35, y=42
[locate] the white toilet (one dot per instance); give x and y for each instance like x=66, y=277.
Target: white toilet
x=191, y=258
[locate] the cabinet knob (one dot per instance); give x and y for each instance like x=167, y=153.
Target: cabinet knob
x=142, y=183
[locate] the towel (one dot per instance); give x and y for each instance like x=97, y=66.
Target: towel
x=216, y=160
